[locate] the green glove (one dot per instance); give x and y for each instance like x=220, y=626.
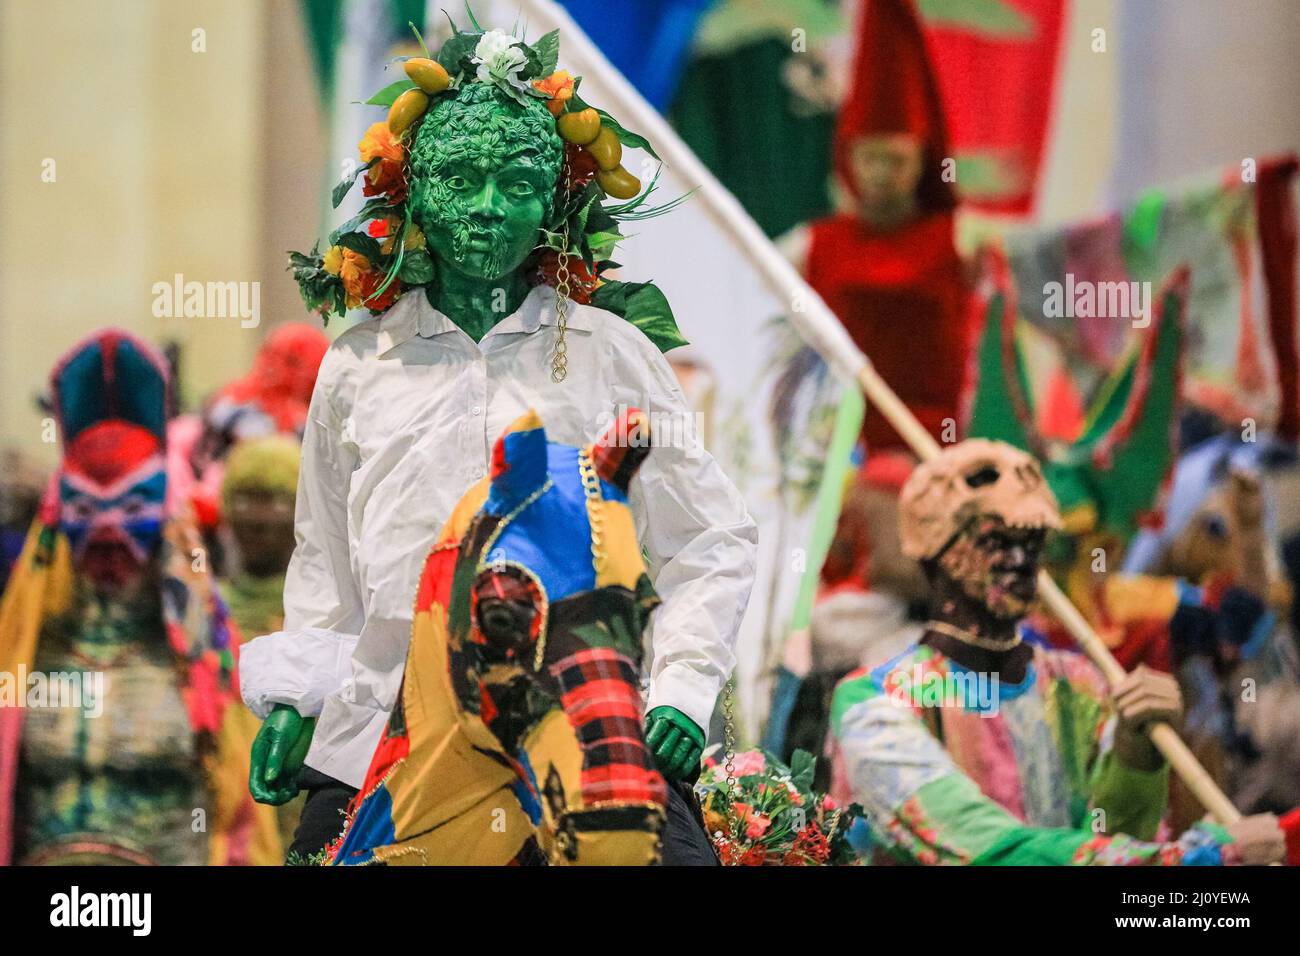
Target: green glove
x=675, y=740
x=279, y=750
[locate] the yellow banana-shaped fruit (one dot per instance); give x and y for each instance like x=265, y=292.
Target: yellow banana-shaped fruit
x=579, y=128
x=427, y=74
x=406, y=109
x=618, y=182
x=606, y=150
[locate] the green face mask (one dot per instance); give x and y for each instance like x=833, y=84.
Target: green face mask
x=484, y=223
x=483, y=175
x=464, y=177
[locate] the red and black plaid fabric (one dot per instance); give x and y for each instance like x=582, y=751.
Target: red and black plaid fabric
x=598, y=690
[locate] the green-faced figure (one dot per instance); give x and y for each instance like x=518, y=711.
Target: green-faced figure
x=483, y=174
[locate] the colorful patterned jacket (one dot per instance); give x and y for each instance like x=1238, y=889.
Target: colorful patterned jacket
x=955, y=768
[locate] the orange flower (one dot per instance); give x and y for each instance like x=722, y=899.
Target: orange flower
x=353, y=268
x=380, y=142
x=414, y=239
x=559, y=87
x=360, y=282
x=386, y=177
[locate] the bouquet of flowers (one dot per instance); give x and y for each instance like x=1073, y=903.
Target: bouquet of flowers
x=770, y=816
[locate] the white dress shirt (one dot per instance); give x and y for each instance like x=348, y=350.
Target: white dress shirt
x=405, y=413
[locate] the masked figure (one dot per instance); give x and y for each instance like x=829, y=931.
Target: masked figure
x=118, y=741
x=484, y=251
x=976, y=747
x=887, y=265
x=257, y=500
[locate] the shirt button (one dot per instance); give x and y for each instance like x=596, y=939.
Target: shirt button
x=475, y=410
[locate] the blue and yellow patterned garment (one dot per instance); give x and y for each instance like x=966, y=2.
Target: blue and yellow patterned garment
x=517, y=736
x=953, y=767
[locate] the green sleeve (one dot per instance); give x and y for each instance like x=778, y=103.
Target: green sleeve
x=1131, y=801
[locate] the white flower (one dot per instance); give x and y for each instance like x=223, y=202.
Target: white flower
x=492, y=44
x=499, y=60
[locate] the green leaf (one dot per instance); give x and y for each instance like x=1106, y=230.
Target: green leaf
x=644, y=305
x=456, y=52
x=302, y=260
x=472, y=19
x=361, y=243
x=515, y=94
x=374, y=209
x=346, y=182
x=625, y=136
x=548, y=51
x=391, y=92
x=532, y=62
x=417, y=268
x=416, y=30
x=603, y=243
x=599, y=220
x=802, y=766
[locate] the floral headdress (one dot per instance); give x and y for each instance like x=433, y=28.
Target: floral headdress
x=380, y=252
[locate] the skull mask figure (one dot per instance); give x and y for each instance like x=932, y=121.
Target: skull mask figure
x=978, y=514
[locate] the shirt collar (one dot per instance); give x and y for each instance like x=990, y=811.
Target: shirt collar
x=538, y=309
x=413, y=315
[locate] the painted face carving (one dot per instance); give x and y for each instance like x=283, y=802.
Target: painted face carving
x=111, y=497
x=484, y=170
x=995, y=566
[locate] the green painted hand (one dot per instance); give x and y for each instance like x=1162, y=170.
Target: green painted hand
x=278, y=754
x=675, y=741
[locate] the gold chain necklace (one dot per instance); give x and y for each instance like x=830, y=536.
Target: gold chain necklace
x=591, y=485
x=560, y=362
x=971, y=638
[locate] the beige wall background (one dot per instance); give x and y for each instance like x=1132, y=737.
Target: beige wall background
x=166, y=160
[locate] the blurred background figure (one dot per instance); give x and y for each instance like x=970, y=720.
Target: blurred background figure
x=257, y=501
x=271, y=399
x=131, y=730
x=868, y=608
x=888, y=265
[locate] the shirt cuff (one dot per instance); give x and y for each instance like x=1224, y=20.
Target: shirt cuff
x=691, y=692
x=298, y=668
